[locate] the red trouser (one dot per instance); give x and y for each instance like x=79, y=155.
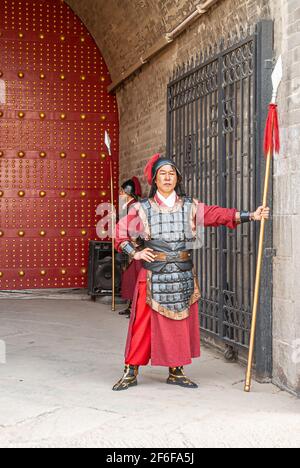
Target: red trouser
x=140, y=345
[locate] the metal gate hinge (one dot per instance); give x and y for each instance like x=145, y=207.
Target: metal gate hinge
x=269, y=64
x=270, y=253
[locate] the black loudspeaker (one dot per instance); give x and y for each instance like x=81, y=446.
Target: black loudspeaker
x=100, y=270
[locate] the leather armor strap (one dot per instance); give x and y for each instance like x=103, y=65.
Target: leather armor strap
x=245, y=217
x=128, y=249
x=178, y=256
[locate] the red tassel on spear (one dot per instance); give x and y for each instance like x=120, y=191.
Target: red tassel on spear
x=272, y=138
x=271, y=144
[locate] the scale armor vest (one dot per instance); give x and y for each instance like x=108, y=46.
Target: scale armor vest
x=172, y=283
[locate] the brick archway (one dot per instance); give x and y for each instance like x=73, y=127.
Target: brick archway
x=54, y=169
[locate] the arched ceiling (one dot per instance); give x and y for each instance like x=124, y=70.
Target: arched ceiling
x=124, y=29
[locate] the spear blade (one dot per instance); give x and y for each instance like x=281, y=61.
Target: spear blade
x=108, y=142
x=276, y=78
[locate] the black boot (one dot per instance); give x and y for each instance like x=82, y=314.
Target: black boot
x=129, y=310
x=129, y=379
x=177, y=377
x=126, y=311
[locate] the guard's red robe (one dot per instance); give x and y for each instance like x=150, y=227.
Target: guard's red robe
x=152, y=336
x=129, y=280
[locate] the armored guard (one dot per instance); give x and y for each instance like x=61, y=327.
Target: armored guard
x=164, y=325
x=129, y=194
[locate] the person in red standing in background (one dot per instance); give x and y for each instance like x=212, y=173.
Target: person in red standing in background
x=129, y=194
x=164, y=325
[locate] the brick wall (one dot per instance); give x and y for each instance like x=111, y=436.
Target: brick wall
x=286, y=299
x=142, y=101
x=125, y=29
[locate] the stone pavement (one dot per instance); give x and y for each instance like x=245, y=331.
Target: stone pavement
x=63, y=356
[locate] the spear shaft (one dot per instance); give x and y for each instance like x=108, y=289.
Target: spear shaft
x=108, y=145
x=113, y=305
x=258, y=278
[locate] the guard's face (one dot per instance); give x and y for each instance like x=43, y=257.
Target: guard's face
x=123, y=197
x=166, y=179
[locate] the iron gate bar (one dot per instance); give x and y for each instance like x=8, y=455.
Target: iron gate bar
x=222, y=196
x=265, y=60
x=216, y=113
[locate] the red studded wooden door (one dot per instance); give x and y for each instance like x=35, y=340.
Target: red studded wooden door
x=54, y=167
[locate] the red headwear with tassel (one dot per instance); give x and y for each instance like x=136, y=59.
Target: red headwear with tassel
x=138, y=188
x=149, y=167
x=272, y=137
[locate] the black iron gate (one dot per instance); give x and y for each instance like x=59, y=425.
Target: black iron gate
x=217, y=105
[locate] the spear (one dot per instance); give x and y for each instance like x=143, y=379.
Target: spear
x=271, y=144
x=108, y=145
